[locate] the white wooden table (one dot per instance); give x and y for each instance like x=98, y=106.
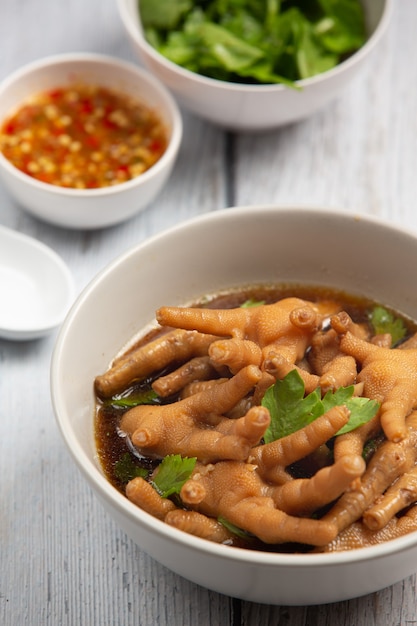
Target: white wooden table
x=62, y=560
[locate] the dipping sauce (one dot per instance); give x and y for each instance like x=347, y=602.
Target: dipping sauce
x=83, y=137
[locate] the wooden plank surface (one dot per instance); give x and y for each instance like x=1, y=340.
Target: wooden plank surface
x=63, y=561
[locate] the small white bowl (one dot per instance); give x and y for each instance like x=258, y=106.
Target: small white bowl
x=253, y=107
x=269, y=245
x=37, y=285
x=89, y=208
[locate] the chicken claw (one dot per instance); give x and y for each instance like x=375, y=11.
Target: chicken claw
x=286, y=321
x=151, y=357
x=389, y=376
x=235, y=491
x=196, y=426
x=389, y=462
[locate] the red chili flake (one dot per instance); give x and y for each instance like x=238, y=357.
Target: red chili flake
x=86, y=106
x=45, y=178
x=156, y=146
x=109, y=124
x=92, y=141
x=55, y=94
x=10, y=127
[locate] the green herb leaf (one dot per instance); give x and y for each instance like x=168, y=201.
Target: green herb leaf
x=230, y=51
x=290, y=410
x=310, y=57
x=251, y=302
x=343, y=28
x=383, y=321
x=164, y=14
x=125, y=469
x=288, y=407
x=235, y=530
x=336, y=398
x=362, y=410
x=172, y=473
x=147, y=396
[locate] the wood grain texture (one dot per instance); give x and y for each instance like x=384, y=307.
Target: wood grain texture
x=63, y=561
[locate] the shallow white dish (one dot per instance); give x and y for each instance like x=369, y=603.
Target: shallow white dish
x=36, y=286
x=89, y=208
x=253, y=107
x=253, y=245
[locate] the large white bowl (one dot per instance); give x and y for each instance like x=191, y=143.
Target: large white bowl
x=253, y=107
x=89, y=208
x=224, y=249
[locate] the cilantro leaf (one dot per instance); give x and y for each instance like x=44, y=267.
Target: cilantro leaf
x=383, y=321
x=288, y=407
x=362, y=410
x=290, y=410
x=147, y=396
x=125, y=469
x=172, y=473
x=251, y=302
x=239, y=532
x=338, y=397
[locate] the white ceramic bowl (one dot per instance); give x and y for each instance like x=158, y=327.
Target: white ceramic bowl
x=38, y=284
x=253, y=107
x=90, y=208
x=285, y=245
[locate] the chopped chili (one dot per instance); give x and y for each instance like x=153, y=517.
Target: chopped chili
x=83, y=137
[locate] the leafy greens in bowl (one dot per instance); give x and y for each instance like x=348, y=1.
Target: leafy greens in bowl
x=255, y=42
x=254, y=65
